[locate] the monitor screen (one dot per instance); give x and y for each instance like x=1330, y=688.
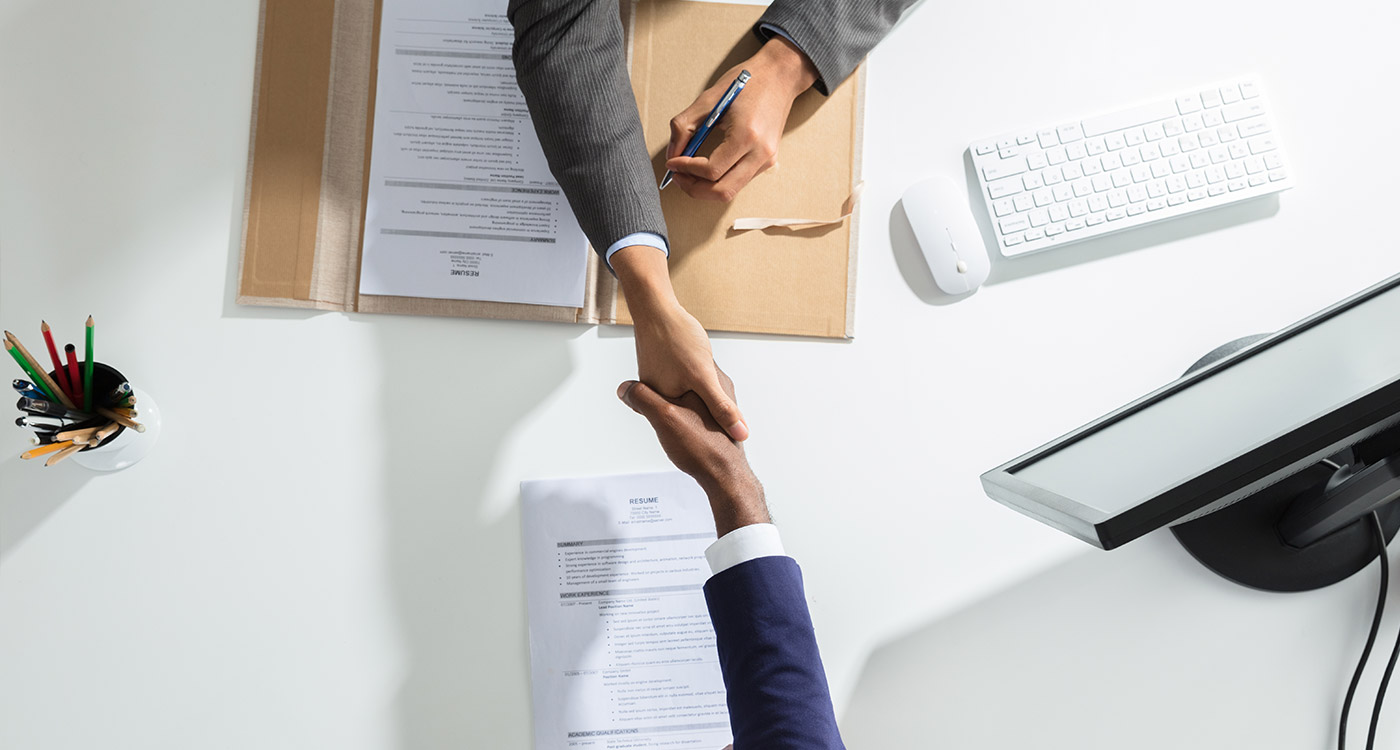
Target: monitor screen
x=1236, y=409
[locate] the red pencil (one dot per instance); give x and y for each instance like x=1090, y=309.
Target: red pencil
x=59, y=375
x=75, y=378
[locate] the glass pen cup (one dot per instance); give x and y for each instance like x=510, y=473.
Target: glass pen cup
x=125, y=446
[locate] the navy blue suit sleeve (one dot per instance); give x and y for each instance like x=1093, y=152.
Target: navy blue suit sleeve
x=776, y=687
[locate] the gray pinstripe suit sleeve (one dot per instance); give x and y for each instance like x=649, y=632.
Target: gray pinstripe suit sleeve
x=571, y=65
x=834, y=34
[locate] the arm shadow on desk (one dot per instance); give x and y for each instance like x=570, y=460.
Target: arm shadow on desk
x=31, y=494
x=1140, y=647
x=452, y=565
x=916, y=273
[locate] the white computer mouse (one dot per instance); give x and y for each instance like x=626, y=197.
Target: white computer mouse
x=947, y=234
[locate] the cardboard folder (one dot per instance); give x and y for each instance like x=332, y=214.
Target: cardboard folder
x=308, y=168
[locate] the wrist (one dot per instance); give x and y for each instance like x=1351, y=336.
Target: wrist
x=787, y=65
x=644, y=277
x=736, y=501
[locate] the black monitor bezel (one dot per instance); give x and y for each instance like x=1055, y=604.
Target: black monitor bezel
x=1240, y=476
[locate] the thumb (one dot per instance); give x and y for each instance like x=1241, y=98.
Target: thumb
x=641, y=398
x=724, y=410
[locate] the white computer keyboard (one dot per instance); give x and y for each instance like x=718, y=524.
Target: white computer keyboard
x=1203, y=149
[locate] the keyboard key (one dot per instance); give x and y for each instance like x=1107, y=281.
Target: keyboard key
x=1003, y=207
x=1074, y=224
x=1095, y=146
x=1122, y=178
x=1078, y=207
x=1254, y=165
x=1192, y=123
x=1242, y=111
x=1036, y=160
x=1256, y=180
x=1215, y=190
x=1215, y=174
x=1211, y=118
x=1169, y=147
x=1054, y=229
x=1234, y=170
x=1111, y=162
x=1082, y=188
x=1091, y=167
x=1137, y=194
x=1004, y=168
x=1102, y=183
x=1157, y=189
x=1195, y=195
x=1199, y=160
x=1013, y=240
x=1276, y=175
x=1071, y=172
x=1219, y=155
x=1136, y=208
x=1235, y=185
x=1249, y=90
x=1189, y=142
x=1128, y=118
x=1097, y=203
x=1208, y=139
x=1188, y=104
x=1273, y=161
x=1039, y=217
x=1141, y=173
x=1180, y=163
x=1151, y=152
x=1007, y=153
x=1130, y=157
x=1043, y=197
x=1094, y=220
x=1063, y=193
x=1253, y=127
x=1058, y=212
x=1025, y=139
x=1153, y=131
x=1229, y=94
x=1003, y=188
x=1172, y=128
x=1075, y=151
x=1114, y=141
x=1047, y=138
x=1176, y=200
x=1035, y=234
x=1226, y=134
x=1116, y=214
x=1005, y=143
x=1195, y=180
x=1032, y=181
x=1176, y=184
x=1023, y=202
x=1134, y=137
x=1117, y=198
x=1015, y=224
x=1210, y=98
x=1055, y=156
x=1262, y=144
x=985, y=149
x=1161, y=169
x=1156, y=204
x=1238, y=151
x=1069, y=133
x=1052, y=176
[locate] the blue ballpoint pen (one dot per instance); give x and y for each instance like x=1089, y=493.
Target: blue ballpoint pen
x=715, y=114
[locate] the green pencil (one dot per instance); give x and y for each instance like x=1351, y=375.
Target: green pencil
x=33, y=376
x=87, y=370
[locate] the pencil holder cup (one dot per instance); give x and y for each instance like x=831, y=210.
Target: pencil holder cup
x=125, y=446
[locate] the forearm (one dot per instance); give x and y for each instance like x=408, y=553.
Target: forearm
x=571, y=66
x=834, y=34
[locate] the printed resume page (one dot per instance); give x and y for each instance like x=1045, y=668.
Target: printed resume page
x=462, y=204
x=622, y=652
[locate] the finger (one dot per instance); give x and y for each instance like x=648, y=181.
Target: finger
x=729, y=186
x=726, y=383
x=724, y=410
x=642, y=399
x=684, y=125
x=714, y=166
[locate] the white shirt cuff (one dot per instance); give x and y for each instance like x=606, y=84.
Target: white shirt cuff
x=650, y=239
x=744, y=544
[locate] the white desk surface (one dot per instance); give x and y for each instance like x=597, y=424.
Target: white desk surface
x=324, y=549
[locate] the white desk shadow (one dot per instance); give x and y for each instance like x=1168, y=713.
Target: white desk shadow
x=1140, y=647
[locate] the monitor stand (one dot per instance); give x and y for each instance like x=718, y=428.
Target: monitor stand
x=1243, y=543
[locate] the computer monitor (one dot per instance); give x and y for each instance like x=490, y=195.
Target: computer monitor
x=1225, y=431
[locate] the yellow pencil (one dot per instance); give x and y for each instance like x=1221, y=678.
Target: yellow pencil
x=40, y=371
x=105, y=432
x=65, y=453
x=126, y=421
x=43, y=449
x=77, y=436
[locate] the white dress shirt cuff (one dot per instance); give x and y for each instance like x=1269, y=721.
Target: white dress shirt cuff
x=650, y=239
x=744, y=544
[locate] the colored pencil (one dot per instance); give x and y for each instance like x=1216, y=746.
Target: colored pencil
x=43, y=449
x=87, y=369
x=53, y=355
x=126, y=421
x=41, y=378
x=74, y=377
x=65, y=453
x=77, y=436
x=105, y=433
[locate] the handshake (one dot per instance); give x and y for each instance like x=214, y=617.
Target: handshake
x=698, y=446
